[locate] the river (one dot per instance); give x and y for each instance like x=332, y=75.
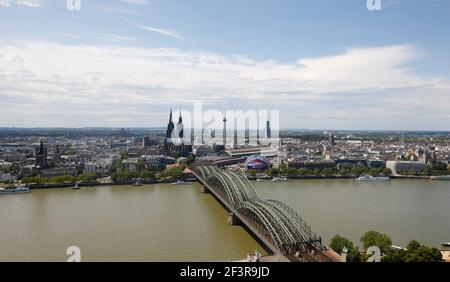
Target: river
x=166, y=222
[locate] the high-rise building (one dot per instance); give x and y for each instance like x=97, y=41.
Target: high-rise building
x=331, y=139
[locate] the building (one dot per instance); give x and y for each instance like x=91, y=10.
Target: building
x=175, y=144
x=155, y=162
x=257, y=162
x=145, y=141
x=58, y=171
x=331, y=140
x=100, y=168
x=405, y=166
x=246, y=152
x=6, y=176
x=312, y=164
x=57, y=156
x=268, y=130
x=41, y=156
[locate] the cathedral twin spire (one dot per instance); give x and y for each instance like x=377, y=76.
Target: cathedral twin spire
x=171, y=126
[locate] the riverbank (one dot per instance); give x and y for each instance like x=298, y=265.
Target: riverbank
x=168, y=181
x=299, y=177
x=97, y=184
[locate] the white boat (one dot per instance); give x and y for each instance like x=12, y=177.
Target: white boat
x=261, y=180
x=279, y=179
x=180, y=182
x=77, y=186
x=440, y=177
x=138, y=182
x=18, y=190
x=372, y=178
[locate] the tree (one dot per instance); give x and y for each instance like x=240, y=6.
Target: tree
x=339, y=243
x=374, y=238
x=328, y=171
x=140, y=165
x=80, y=168
x=87, y=177
x=251, y=172
x=292, y=171
x=414, y=253
x=190, y=159
x=387, y=171
x=273, y=171
x=116, y=165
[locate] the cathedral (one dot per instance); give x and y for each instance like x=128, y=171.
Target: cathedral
x=174, y=143
x=41, y=156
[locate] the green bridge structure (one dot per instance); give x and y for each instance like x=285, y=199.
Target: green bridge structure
x=280, y=229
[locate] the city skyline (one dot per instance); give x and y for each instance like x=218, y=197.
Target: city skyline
x=333, y=66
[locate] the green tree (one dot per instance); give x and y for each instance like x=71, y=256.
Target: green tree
x=387, y=171
x=140, y=165
x=339, y=243
x=292, y=171
x=374, y=238
x=414, y=253
x=328, y=171
x=190, y=159
x=80, y=168
x=251, y=172
x=273, y=171
x=87, y=177
x=116, y=165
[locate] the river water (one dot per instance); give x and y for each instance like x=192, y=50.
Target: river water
x=178, y=223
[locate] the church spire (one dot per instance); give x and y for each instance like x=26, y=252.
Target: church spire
x=180, y=119
x=41, y=147
x=170, y=118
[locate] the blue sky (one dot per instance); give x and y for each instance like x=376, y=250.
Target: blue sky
x=324, y=64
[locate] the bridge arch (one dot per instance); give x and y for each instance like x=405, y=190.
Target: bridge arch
x=281, y=225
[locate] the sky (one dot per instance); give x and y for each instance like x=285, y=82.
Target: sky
x=323, y=64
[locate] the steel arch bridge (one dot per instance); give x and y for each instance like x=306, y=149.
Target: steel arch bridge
x=278, y=223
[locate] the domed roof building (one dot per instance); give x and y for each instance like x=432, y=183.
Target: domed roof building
x=257, y=162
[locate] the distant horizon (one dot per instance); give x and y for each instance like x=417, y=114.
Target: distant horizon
x=163, y=128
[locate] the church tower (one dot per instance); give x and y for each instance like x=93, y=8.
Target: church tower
x=41, y=156
x=170, y=126
x=180, y=128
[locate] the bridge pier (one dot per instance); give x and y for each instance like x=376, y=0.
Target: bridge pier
x=233, y=219
x=204, y=189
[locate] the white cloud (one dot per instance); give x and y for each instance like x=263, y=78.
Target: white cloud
x=5, y=3
x=22, y=3
x=68, y=35
x=48, y=84
x=29, y=3
x=136, y=2
x=117, y=38
x=167, y=32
